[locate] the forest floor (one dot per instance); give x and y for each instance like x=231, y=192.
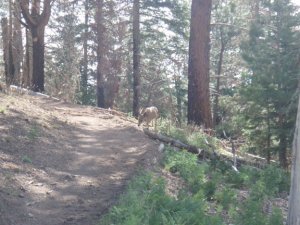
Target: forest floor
x=63, y=164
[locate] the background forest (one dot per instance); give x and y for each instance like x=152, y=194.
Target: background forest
x=90, y=59
x=124, y=55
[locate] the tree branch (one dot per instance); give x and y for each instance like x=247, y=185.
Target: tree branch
x=24, y=5
x=45, y=14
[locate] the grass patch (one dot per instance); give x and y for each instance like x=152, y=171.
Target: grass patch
x=26, y=159
x=2, y=110
x=146, y=203
x=33, y=133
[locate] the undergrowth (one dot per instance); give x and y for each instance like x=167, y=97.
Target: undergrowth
x=146, y=203
x=211, y=189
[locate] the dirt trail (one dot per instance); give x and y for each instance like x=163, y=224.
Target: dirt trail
x=62, y=163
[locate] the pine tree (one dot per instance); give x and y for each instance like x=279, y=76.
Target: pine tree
x=62, y=72
x=272, y=54
x=199, y=111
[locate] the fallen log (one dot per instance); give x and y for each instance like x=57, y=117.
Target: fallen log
x=174, y=142
x=203, y=153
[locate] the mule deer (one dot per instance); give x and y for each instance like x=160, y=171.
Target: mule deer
x=147, y=115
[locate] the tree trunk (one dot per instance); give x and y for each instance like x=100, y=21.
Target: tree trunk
x=38, y=59
x=199, y=111
x=294, y=198
x=282, y=143
x=136, y=58
x=84, y=72
x=17, y=45
x=7, y=52
x=27, y=65
x=269, y=136
x=217, y=118
x=178, y=88
x=36, y=23
x=282, y=151
x=100, y=53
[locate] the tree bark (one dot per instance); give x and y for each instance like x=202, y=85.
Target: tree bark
x=217, y=118
x=17, y=44
x=173, y=142
x=7, y=52
x=294, y=198
x=100, y=54
x=84, y=72
x=27, y=65
x=282, y=143
x=178, y=87
x=136, y=58
x=38, y=59
x=36, y=23
x=199, y=111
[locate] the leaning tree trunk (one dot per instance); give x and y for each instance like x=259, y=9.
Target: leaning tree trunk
x=199, y=111
x=294, y=198
x=136, y=58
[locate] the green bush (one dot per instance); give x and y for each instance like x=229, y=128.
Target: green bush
x=251, y=214
x=258, y=191
x=236, y=180
x=200, y=140
x=146, y=203
x=177, y=133
x=209, y=189
x=276, y=218
x=186, y=164
x=226, y=197
x=276, y=180
x=268, y=182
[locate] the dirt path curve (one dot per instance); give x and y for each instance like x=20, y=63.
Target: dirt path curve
x=76, y=174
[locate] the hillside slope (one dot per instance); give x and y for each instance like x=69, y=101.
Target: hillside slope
x=62, y=163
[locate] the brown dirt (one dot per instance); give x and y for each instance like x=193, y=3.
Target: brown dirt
x=65, y=164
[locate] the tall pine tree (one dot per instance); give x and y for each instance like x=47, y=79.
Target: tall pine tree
x=272, y=54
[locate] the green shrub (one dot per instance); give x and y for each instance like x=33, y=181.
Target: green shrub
x=236, y=180
x=146, y=203
x=170, y=130
x=276, y=218
x=251, y=214
x=33, y=133
x=200, y=140
x=2, y=110
x=178, y=134
x=186, y=164
x=209, y=189
x=258, y=191
x=250, y=174
x=226, y=197
x=26, y=159
x=222, y=166
x=276, y=180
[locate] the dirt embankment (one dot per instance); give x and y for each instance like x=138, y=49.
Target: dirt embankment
x=62, y=163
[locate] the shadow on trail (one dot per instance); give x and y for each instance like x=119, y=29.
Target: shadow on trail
x=74, y=171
